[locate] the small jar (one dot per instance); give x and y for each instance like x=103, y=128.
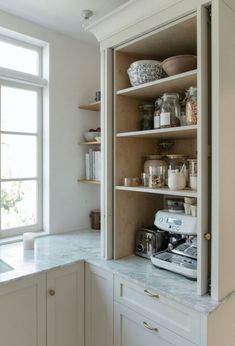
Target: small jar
x=95, y=219
x=193, y=174
x=157, y=177
x=146, y=122
x=170, y=110
x=153, y=161
x=157, y=112
x=191, y=106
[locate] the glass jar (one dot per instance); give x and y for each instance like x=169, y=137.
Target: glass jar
x=176, y=162
x=170, y=110
x=153, y=161
x=191, y=106
x=146, y=122
x=157, y=177
x=157, y=112
x=192, y=166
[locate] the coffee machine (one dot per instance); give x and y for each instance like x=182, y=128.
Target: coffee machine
x=181, y=254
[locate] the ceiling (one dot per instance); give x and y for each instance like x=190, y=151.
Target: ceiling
x=61, y=15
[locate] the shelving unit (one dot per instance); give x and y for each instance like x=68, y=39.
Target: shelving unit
x=95, y=182
x=135, y=207
x=162, y=191
x=95, y=106
x=89, y=143
x=152, y=90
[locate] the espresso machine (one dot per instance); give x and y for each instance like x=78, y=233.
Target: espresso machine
x=181, y=254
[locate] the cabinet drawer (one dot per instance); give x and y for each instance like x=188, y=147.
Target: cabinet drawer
x=134, y=329
x=174, y=316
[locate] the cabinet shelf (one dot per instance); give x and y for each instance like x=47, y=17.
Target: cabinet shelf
x=172, y=133
x=93, y=182
x=162, y=191
x=148, y=91
x=90, y=143
x=95, y=106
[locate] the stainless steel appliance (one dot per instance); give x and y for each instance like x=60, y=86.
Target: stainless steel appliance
x=150, y=240
x=181, y=255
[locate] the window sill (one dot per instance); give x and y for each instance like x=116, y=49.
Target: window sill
x=10, y=240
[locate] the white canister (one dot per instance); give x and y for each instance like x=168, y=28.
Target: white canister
x=176, y=180
x=193, y=181
x=28, y=240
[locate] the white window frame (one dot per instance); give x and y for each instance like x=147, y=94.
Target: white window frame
x=20, y=80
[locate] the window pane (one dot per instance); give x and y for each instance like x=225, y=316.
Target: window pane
x=18, y=110
x=18, y=58
x=18, y=156
x=19, y=204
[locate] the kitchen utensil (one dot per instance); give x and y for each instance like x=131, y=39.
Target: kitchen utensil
x=144, y=71
x=179, y=64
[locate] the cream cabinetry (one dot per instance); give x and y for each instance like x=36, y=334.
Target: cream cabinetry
x=23, y=312
x=98, y=306
x=134, y=329
x=65, y=306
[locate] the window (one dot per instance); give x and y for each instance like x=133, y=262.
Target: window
x=21, y=138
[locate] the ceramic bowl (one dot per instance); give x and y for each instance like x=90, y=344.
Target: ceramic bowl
x=179, y=64
x=90, y=136
x=145, y=71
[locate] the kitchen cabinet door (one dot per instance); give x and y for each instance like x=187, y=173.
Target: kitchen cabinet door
x=23, y=312
x=134, y=329
x=65, y=306
x=99, y=307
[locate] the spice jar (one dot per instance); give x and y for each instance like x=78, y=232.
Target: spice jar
x=193, y=174
x=170, y=110
x=156, y=121
x=191, y=106
x=153, y=161
x=192, y=166
x=146, y=122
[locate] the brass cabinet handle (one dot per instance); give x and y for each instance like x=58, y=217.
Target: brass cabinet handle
x=156, y=296
x=207, y=236
x=52, y=292
x=147, y=326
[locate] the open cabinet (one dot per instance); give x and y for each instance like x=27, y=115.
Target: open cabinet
x=135, y=207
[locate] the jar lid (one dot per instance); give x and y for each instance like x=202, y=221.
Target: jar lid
x=171, y=95
x=192, y=160
x=154, y=157
x=146, y=107
x=176, y=156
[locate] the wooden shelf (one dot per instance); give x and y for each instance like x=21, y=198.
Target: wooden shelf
x=148, y=91
x=94, y=182
x=162, y=191
x=95, y=106
x=173, y=133
x=90, y=143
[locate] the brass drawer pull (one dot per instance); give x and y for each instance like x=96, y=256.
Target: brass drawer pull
x=147, y=326
x=52, y=292
x=156, y=296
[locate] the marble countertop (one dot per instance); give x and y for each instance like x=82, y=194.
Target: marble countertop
x=59, y=250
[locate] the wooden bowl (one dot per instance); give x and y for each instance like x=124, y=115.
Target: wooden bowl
x=179, y=64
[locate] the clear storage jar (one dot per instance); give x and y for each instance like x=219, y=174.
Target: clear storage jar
x=176, y=162
x=170, y=110
x=146, y=121
x=157, y=112
x=191, y=106
x=153, y=161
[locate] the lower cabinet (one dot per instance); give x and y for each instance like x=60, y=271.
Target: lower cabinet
x=23, y=312
x=65, y=306
x=133, y=329
x=99, y=307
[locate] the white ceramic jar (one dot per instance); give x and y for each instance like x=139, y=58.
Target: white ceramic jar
x=176, y=180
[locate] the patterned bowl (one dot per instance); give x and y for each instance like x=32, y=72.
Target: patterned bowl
x=144, y=71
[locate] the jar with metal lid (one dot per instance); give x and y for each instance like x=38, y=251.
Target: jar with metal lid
x=177, y=162
x=153, y=161
x=191, y=106
x=146, y=122
x=170, y=110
